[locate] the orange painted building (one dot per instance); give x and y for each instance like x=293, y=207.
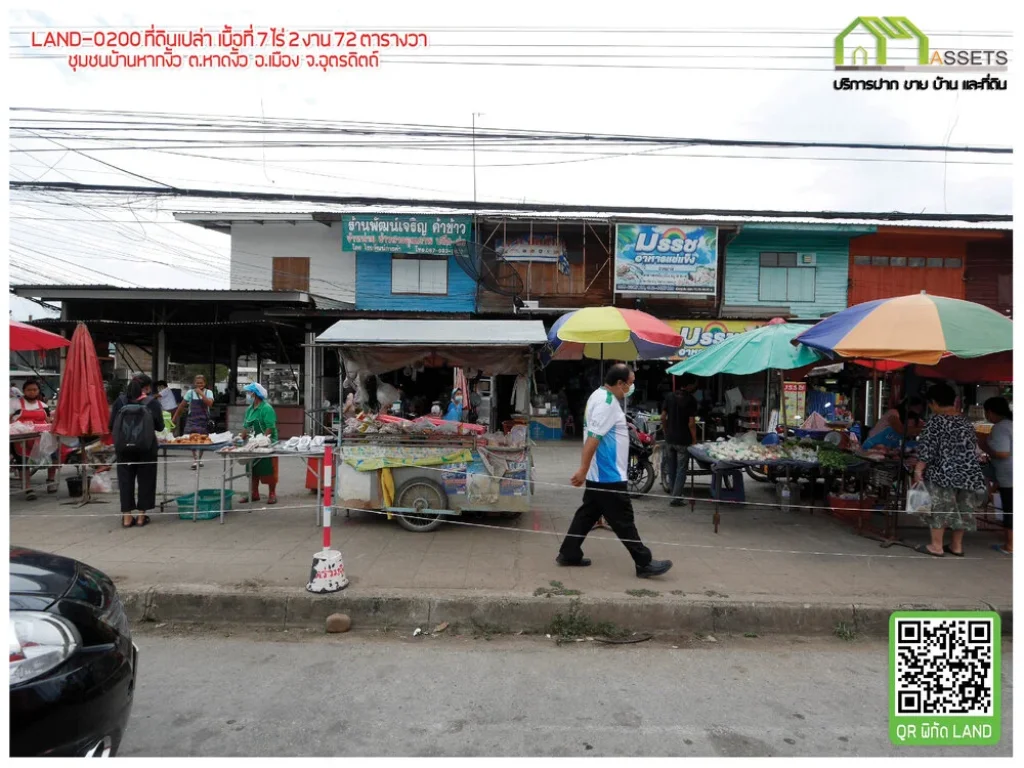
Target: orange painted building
x=897, y=261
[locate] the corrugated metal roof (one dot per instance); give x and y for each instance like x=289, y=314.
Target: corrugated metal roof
x=466, y=333
x=214, y=218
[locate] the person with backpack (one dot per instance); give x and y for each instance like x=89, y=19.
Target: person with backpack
x=199, y=401
x=135, y=418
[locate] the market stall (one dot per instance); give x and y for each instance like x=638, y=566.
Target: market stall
x=425, y=470
x=786, y=460
x=916, y=330
x=24, y=436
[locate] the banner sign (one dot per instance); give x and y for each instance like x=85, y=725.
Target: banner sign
x=433, y=235
x=794, y=402
x=537, y=248
x=699, y=335
x=666, y=259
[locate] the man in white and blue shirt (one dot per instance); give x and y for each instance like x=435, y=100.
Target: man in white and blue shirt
x=603, y=471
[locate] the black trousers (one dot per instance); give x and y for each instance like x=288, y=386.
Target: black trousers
x=144, y=473
x=1006, y=495
x=610, y=501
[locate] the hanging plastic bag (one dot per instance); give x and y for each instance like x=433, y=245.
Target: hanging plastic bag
x=919, y=501
x=43, y=450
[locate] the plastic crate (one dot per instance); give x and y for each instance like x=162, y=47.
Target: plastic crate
x=852, y=510
x=209, y=504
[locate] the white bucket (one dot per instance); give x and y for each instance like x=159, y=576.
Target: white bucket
x=327, y=573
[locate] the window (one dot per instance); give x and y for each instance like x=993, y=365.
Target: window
x=422, y=275
x=898, y=261
x=916, y=261
x=953, y=263
x=290, y=274
x=862, y=261
x=783, y=281
x=935, y=263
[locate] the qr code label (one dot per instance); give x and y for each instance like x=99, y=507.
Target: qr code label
x=945, y=667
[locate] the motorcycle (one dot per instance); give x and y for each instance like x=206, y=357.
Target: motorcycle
x=640, y=473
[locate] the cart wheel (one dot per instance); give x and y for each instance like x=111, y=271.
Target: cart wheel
x=423, y=496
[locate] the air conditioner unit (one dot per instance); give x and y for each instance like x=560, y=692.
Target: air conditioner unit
x=807, y=259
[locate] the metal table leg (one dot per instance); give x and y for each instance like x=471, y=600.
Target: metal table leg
x=195, y=499
x=223, y=489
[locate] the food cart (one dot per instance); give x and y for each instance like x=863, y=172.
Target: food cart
x=425, y=471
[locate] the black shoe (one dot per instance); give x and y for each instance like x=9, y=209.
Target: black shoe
x=585, y=561
x=654, y=568
x=677, y=503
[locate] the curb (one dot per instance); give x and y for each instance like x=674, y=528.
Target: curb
x=499, y=613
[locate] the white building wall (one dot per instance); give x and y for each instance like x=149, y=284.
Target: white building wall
x=332, y=272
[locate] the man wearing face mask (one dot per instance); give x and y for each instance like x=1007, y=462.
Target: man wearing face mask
x=602, y=471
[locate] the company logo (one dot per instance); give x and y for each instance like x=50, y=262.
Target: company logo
x=671, y=241
x=868, y=44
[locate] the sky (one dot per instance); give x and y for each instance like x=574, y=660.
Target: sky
x=723, y=70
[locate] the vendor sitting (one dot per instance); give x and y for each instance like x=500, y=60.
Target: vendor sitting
x=890, y=438
x=455, y=408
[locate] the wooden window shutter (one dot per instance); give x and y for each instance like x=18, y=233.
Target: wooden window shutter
x=291, y=274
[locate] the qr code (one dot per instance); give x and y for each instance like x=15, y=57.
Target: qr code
x=944, y=666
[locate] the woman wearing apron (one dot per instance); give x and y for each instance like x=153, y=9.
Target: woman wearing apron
x=260, y=419
x=30, y=409
x=198, y=401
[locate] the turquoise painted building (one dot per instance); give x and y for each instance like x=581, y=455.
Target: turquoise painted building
x=788, y=269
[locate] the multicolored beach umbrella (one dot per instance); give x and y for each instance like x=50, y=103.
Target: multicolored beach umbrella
x=920, y=329
x=611, y=333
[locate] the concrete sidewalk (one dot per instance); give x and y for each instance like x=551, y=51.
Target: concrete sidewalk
x=761, y=556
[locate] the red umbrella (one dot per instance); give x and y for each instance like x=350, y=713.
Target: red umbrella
x=82, y=407
x=28, y=338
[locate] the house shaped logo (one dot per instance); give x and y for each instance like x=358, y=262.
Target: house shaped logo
x=882, y=30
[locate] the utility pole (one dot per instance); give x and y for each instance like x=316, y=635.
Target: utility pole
x=475, y=115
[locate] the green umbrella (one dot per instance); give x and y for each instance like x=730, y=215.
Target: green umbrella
x=761, y=349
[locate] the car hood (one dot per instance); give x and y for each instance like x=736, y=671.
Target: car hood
x=38, y=579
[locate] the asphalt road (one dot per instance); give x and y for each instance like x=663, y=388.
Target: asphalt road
x=286, y=694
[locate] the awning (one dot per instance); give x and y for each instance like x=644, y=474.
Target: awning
x=436, y=333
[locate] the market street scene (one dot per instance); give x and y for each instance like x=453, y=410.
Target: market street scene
x=470, y=444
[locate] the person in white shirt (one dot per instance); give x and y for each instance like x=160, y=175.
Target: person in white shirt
x=603, y=473
x=166, y=397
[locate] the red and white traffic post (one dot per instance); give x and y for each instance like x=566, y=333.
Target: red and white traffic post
x=328, y=571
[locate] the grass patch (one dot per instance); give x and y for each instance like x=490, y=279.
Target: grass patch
x=556, y=588
x=642, y=593
x=750, y=634
x=576, y=624
x=677, y=592
x=845, y=632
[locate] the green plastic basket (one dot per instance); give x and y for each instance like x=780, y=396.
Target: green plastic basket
x=209, y=504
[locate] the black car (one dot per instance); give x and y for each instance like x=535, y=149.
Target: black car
x=73, y=664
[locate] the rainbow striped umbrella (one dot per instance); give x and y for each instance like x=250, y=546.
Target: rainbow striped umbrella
x=610, y=333
x=919, y=329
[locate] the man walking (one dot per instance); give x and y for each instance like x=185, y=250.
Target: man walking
x=679, y=420
x=603, y=471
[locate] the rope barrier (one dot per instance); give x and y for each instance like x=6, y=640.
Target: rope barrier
x=649, y=495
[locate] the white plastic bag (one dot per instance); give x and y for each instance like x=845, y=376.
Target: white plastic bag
x=43, y=450
x=100, y=483
x=919, y=501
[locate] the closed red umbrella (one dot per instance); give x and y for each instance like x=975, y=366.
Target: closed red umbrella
x=82, y=407
x=28, y=338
